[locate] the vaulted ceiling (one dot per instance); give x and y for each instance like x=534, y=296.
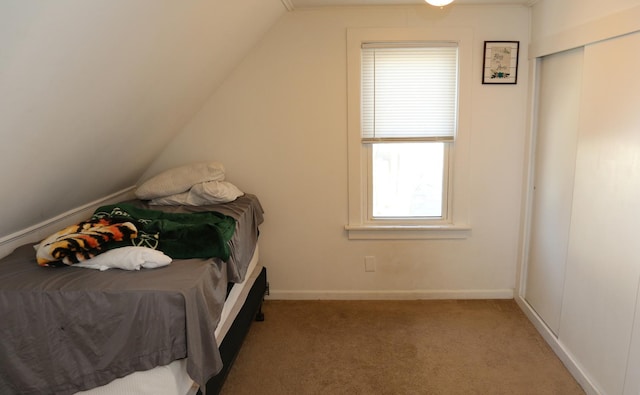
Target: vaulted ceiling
x=92, y=91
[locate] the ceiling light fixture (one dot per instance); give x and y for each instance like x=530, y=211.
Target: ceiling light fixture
x=439, y=3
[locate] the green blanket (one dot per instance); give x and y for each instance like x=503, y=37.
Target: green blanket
x=178, y=235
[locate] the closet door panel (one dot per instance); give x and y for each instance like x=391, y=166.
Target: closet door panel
x=632, y=380
x=603, y=261
x=560, y=77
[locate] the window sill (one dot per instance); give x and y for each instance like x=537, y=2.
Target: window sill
x=407, y=232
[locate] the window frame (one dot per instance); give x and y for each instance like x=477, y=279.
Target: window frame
x=454, y=223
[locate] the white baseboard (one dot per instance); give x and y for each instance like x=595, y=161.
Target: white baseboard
x=275, y=294
x=37, y=232
x=558, y=348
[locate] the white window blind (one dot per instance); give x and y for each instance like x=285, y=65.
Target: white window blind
x=409, y=91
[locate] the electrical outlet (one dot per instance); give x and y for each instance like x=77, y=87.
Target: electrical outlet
x=369, y=263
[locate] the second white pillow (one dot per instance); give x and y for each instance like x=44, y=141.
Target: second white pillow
x=212, y=192
x=180, y=179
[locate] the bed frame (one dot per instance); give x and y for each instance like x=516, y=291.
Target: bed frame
x=230, y=347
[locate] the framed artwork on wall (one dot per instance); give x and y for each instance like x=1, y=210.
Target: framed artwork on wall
x=500, y=64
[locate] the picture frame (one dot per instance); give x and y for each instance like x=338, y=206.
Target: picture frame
x=500, y=65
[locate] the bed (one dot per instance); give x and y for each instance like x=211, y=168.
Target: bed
x=174, y=329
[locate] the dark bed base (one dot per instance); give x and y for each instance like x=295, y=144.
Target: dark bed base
x=251, y=310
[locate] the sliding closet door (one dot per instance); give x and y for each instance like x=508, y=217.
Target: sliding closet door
x=603, y=261
x=560, y=78
x=632, y=380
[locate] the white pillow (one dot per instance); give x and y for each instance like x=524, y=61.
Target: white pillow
x=180, y=179
x=127, y=258
x=211, y=192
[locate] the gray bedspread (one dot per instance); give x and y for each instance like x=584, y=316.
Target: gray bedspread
x=69, y=329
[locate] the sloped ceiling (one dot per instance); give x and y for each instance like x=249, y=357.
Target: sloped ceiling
x=92, y=90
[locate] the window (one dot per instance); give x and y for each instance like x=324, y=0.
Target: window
x=403, y=133
x=409, y=112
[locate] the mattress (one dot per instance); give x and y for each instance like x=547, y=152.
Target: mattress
x=80, y=328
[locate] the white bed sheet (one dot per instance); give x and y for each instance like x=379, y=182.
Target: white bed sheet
x=172, y=379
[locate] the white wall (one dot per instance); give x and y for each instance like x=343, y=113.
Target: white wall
x=92, y=90
x=551, y=17
x=279, y=124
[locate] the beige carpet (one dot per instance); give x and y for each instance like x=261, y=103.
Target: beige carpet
x=396, y=347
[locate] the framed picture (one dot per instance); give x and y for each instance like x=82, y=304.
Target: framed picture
x=500, y=62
